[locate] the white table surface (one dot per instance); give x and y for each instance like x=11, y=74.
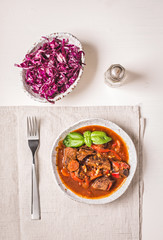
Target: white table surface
x=126, y=32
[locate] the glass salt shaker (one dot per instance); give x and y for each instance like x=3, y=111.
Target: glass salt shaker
x=115, y=75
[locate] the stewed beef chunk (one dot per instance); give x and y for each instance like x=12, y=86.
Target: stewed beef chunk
x=84, y=152
x=98, y=163
x=103, y=183
x=119, y=165
x=69, y=154
x=80, y=173
x=124, y=172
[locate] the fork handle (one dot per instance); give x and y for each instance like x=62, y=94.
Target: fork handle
x=35, y=206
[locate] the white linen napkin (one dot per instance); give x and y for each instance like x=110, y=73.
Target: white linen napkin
x=61, y=217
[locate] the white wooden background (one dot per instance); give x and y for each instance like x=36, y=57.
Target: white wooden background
x=126, y=32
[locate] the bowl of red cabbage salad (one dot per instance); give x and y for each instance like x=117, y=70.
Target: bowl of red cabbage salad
x=52, y=67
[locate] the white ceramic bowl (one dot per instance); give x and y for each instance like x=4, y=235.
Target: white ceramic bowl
x=72, y=40
x=132, y=160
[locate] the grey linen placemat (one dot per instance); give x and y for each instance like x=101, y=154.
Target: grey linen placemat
x=61, y=217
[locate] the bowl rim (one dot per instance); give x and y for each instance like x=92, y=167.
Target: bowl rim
x=59, y=96
x=131, y=150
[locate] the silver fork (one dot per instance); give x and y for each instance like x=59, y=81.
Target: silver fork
x=33, y=142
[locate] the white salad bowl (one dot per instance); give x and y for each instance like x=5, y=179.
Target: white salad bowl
x=132, y=161
x=72, y=40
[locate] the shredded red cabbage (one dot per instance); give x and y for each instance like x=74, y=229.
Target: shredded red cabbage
x=52, y=68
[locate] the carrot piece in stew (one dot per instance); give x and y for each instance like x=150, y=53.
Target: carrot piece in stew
x=73, y=165
x=65, y=172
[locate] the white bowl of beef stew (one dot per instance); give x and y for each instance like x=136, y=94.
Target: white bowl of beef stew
x=97, y=174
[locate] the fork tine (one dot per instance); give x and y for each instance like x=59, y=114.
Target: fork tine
x=32, y=127
x=36, y=126
x=29, y=126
